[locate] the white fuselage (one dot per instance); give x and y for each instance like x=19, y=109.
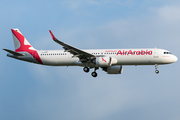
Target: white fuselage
x=123, y=56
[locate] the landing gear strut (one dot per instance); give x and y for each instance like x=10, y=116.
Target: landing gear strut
x=94, y=74
x=156, y=67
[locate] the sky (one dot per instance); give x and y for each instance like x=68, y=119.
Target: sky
x=30, y=91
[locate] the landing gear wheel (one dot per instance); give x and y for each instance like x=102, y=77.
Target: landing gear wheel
x=156, y=67
x=157, y=71
x=94, y=74
x=86, y=69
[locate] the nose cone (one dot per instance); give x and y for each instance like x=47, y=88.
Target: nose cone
x=170, y=59
x=175, y=58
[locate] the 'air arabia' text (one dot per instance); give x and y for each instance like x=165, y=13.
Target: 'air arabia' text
x=142, y=52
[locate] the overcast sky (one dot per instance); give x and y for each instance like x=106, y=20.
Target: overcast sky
x=35, y=92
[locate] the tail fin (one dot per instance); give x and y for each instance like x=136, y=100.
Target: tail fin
x=20, y=42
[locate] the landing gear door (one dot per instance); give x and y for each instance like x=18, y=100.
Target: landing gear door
x=156, y=53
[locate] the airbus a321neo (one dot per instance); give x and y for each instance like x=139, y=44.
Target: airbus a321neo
x=110, y=60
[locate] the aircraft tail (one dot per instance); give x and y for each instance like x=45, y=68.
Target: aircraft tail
x=20, y=42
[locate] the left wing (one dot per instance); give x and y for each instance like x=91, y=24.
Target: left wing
x=75, y=51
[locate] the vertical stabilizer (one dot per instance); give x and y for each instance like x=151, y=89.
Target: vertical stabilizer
x=22, y=45
x=20, y=42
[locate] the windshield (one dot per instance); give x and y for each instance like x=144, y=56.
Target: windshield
x=167, y=53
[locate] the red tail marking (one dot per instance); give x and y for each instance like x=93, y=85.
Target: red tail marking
x=25, y=48
x=103, y=59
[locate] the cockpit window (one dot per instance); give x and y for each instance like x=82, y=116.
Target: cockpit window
x=167, y=53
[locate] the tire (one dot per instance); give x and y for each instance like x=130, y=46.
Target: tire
x=86, y=69
x=157, y=71
x=94, y=74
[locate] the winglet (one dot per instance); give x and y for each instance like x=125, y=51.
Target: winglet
x=53, y=37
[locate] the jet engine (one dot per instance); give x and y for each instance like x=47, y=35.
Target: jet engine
x=113, y=69
x=104, y=61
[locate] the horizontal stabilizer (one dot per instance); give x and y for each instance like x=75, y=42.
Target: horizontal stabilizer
x=14, y=53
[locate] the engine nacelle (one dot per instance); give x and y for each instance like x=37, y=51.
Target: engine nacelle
x=105, y=61
x=114, y=69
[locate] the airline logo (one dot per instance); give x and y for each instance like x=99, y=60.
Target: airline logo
x=103, y=59
x=140, y=52
x=25, y=46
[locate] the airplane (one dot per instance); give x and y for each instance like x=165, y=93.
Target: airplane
x=110, y=60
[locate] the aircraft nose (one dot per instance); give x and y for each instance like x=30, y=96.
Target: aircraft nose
x=175, y=58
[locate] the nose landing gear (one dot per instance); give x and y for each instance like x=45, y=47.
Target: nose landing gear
x=156, y=67
x=157, y=71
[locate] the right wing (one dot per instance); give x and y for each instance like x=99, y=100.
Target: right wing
x=75, y=51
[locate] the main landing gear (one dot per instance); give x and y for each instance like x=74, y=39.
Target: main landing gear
x=94, y=74
x=86, y=69
x=156, y=67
